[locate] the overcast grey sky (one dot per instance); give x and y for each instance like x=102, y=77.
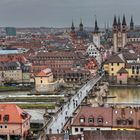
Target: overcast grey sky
x=59, y=13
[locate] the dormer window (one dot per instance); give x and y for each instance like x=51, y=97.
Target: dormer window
x=130, y=121
x=91, y=119
x=82, y=119
x=100, y=120
x=118, y=121
x=24, y=115
x=6, y=118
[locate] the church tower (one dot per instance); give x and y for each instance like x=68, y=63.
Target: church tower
x=131, y=24
x=124, y=32
x=115, y=31
x=119, y=34
x=72, y=33
x=81, y=26
x=72, y=27
x=96, y=35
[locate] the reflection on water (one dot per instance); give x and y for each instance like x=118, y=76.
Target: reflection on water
x=124, y=95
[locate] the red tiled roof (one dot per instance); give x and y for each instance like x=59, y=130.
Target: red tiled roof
x=41, y=73
x=14, y=112
x=86, y=111
x=44, y=72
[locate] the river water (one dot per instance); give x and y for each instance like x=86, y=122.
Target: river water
x=129, y=95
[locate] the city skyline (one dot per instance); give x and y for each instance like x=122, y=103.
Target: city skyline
x=54, y=13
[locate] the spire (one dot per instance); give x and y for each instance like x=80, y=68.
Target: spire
x=131, y=24
x=105, y=26
x=108, y=25
x=72, y=26
x=96, y=29
x=124, y=21
x=81, y=25
x=131, y=19
x=119, y=24
x=115, y=21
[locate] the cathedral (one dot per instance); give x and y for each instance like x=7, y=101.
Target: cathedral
x=122, y=34
x=82, y=36
x=79, y=36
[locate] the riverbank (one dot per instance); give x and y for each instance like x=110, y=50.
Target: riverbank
x=32, y=99
x=14, y=88
x=37, y=106
x=118, y=85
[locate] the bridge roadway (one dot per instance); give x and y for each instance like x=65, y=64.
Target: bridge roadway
x=67, y=110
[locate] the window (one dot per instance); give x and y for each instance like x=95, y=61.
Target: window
x=76, y=129
x=100, y=120
x=41, y=81
x=91, y=120
x=82, y=120
x=81, y=129
x=112, y=69
x=5, y=126
x=120, y=74
x=6, y=118
x=118, y=64
x=133, y=72
x=118, y=121
x=112, y=64
x=130, y=121
x=133, y=67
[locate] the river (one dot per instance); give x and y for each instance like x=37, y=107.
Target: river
x=129, y=95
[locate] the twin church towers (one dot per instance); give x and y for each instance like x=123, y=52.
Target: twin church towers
x=120, y=33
